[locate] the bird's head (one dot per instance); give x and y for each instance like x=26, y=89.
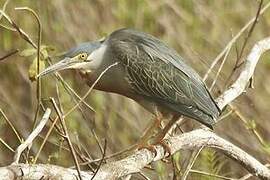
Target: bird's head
x=86, y=56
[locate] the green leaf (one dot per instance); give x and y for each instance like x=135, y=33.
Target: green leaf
x=28, y=52
x=251, y=125
x=32, y=72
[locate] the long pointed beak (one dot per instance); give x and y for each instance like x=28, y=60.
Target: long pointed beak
x=61, y=65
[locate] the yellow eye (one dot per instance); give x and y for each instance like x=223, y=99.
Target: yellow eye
x=83, y=56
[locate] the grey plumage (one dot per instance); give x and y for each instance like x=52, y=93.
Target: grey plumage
x=159, y=74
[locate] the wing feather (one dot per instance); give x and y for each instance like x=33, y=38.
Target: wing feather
x=156, y=71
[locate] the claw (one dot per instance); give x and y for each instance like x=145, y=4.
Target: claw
x=166, y=148
x=148, y=147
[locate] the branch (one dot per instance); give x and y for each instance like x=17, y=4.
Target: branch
x=238, y=87
x=134, y=163
x=32, y=136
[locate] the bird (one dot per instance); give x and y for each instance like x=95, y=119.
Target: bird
x=148, y=71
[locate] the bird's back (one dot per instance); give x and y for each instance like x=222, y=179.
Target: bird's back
x=157, y=73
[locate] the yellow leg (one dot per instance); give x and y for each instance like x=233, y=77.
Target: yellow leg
x=158, y=138
x=155, y=124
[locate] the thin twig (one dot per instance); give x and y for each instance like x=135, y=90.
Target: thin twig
x=239, y=85
x=225, y=115
x=4, y=8
x=239, y=55
x=62, y=120
x=32, y=136
x=211, y=175
x=12, y=52
x=249, y=33
x=102, y=159
x=232, y=41
x=91, y=88
x=192, y=160
x=45, y=140
x=246, y=122
x=19, y=30
x=6, y=145
x=38, y=90
x=11, y=125
x=220, y=68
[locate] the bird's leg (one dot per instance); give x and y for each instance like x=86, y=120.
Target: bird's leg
x=158, y=139
x=156, y=123
x=166, y=129
x=143, y=141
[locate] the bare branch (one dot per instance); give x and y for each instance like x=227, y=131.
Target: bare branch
x=38, y=87
x=233, y=40
x=66, y=136
x=239, y=85
x=12, y=52
x=134, y=163
x=32, y=136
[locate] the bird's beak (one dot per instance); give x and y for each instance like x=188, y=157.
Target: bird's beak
x=66, y=63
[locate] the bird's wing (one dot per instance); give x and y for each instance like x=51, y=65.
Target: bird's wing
x=156, y=71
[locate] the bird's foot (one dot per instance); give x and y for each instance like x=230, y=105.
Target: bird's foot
x=149, y=147
x=167, y=149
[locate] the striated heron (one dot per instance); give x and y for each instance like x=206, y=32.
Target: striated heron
x=148, y=71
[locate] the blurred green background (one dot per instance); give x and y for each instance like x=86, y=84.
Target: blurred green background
x=197, y=29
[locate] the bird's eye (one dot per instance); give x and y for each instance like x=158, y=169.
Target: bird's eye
x=83, y=56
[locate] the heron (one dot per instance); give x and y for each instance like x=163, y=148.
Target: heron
x=147, y=71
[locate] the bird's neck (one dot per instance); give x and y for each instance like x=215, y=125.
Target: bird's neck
x=107, y=83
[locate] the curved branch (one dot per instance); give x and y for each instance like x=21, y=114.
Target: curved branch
x=137, y=161
x=239, y=85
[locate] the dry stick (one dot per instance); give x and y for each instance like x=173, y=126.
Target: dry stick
x=30, y=41
x=6, y=145
x=233, y=41
x=68, y=88
x=248, y=70
x=211, y=175
x=71, y=91
x=225, y=115
x=4, y=8
x=144, y=176
x=102, y=159
x=45, y=140
x=249, y=33
x=12, y=52
x=192, y=160
x=38, y=91
x=88, y=92
x=32, y=136
x=11, y=125
x=19, y=30
x=237, y=64
x=91, y=88
x=220, y=68
x=63, y=123
x=226, y=52
x=245, y=121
